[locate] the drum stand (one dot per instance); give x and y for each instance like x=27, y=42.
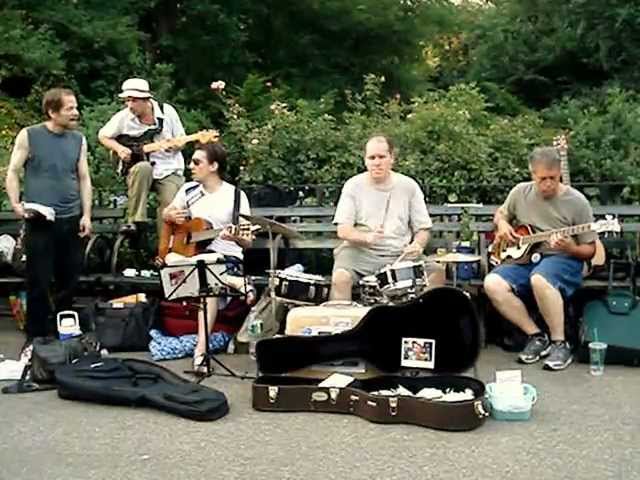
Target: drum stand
x=206, y=291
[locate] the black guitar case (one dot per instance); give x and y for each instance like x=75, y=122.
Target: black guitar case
x=443, y=315
x=125, y=381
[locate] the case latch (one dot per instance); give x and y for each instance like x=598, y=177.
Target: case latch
x=393, y=406
x=478, y=406
x=333, y=395
x=353, y=399
x=273, y=394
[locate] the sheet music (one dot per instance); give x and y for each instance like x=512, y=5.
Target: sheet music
x=39, y=209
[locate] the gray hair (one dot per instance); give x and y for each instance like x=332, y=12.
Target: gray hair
x=547, y=157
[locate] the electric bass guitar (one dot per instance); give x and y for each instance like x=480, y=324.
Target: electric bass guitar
x=561, y=144
x=141, y=146
x=524, y=249
x=191, y=237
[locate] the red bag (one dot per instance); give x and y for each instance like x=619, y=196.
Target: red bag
x=181, y=318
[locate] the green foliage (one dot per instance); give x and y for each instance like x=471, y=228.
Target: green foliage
x=306, y=143
x=12, y=119
x=457, y=86
x=544, y=49
x=604, y=144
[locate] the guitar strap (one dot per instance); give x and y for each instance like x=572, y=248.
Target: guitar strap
x=235, y=217
x=152, y=132
x=196, y=192
x=193, y=194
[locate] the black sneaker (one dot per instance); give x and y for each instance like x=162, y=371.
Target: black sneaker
x=560, y=356
x=537, y=347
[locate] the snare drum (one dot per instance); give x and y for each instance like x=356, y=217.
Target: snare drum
x=402, y=278
x=302, y=288
x=370, y=290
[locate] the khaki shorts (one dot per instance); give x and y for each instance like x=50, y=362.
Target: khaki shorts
x=360, y=262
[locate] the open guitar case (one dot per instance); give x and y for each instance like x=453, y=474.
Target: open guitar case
x=443, y=315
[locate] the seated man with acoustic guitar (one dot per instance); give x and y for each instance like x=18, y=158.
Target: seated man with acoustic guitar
x=554, y=271
x=144, y=120
x=211, y=198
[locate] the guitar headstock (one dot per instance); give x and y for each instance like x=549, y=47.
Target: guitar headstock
x=207, y=136
x=609, y=224
x=246, y=230
x=561, y=144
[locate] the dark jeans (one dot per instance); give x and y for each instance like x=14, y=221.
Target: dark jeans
x=54, y=252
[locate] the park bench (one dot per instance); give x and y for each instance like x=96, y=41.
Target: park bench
x=103, y=252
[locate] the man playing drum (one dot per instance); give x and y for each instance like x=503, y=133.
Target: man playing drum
x=381, y=217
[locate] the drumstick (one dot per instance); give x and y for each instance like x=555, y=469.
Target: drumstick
x=386, y=210
x=400, y=258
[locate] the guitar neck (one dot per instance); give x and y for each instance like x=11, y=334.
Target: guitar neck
x=564, y=169
x=162, y=144
x=568, y=231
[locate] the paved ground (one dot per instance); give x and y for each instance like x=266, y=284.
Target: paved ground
x=582, y=428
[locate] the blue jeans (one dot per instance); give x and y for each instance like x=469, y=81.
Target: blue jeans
x=563, y=273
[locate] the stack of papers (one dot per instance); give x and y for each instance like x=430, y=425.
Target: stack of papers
x=36, y=209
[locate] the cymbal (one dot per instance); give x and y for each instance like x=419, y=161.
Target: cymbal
x=275, y=227
x=454, y=257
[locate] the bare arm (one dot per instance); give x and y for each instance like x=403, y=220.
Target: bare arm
x=19, y=156
x=84, y=181
x=123, y=152
x=352, y=235
x=504, y=230
x=584, y=251
x=416, y=247
x=84, y=178
x=422, y=238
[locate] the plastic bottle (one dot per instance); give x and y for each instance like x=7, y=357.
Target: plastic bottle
x=254, y=332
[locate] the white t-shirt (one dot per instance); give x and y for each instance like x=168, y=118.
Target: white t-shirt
x=126, y=123
x=400, y=209
x=216, y=208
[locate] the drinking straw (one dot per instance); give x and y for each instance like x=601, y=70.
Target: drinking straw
x=595, y=334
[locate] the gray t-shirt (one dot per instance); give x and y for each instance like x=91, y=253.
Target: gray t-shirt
x=525, y=205
x=400, y=209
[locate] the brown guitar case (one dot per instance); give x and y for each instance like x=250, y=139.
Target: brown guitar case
x=298, y=394
x=444, y=315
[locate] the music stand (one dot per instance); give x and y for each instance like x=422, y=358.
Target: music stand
x=205, y=290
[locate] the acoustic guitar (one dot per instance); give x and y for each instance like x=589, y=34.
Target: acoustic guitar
x=143, y=145
x=191, y=237
x=523, y=250
x=561, y=144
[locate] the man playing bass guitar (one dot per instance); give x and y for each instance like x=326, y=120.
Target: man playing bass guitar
x=142, y=121
x=554, y=271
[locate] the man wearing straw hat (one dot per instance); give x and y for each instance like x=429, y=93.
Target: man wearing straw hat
x=381, y=217
x=164, y=172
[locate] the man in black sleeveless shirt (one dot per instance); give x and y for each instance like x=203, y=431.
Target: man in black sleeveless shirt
x=56, y=175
